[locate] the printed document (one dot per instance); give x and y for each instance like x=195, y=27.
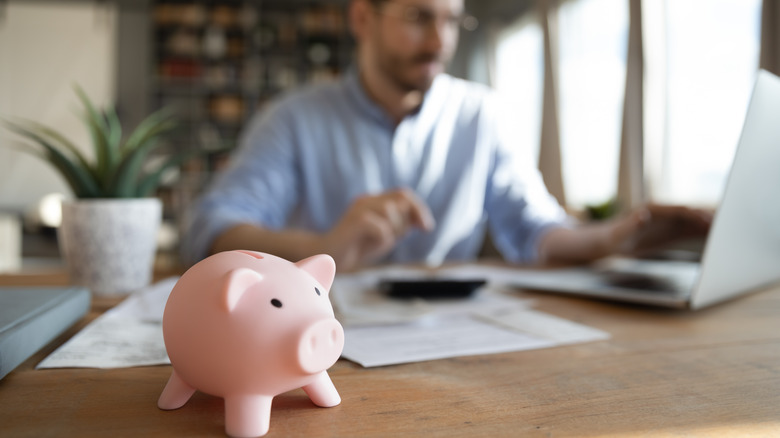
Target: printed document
x=378, y=330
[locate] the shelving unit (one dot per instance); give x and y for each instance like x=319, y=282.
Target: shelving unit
x=219, y=62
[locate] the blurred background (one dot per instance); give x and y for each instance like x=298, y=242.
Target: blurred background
x=619, y=101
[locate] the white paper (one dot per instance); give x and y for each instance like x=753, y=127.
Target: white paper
x=378, y=330
x=147, y=304
x=111, y=342
x=555, y=329
x=128, y=335
x=444, y=336
x=382, y=331
x=358, y=300
x=437, y=338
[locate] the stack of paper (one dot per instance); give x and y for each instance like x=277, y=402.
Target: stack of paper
x=381, y=331
x=128, y=335
x=378, y=330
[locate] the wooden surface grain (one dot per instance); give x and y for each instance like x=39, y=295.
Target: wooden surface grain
x=714, y=372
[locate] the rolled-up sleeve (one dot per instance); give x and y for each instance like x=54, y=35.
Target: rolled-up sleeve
x=259, y=187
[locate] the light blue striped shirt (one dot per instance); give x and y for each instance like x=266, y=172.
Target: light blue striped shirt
x=304, y=160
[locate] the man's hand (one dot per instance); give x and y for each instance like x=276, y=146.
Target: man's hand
x=368, y=230
x=655, y=226
x=372, y=226
x=643, y=229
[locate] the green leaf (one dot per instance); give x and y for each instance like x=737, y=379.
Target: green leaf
x=45, y=131
x=151, y=181
x=114, y=137
x=27, y=149
x=98, y=129
x=603, y=211
x=78, y=178
x=118, y=167
x=124, y=180
x=156, y=124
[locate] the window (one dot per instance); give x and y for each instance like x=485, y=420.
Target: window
x=701, y=58
x=519, y=78
x=593, y=41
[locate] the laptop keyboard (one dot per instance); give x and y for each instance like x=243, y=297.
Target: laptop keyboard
x=649, y=275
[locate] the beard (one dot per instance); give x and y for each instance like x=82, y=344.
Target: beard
x=411, y=73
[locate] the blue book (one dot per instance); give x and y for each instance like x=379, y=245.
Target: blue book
x=31, y=317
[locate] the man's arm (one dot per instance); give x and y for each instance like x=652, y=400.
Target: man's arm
x=644, y=229
x=368, y=230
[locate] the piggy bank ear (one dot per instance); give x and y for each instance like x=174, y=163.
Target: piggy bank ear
x=321, y=267
x=236, y=283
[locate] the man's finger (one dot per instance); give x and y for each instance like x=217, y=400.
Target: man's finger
x=391, y=211
x=416, y=211
x=697, y=219
x=378, y=235
x=625, y=230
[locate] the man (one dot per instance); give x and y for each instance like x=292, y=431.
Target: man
x=400, y=162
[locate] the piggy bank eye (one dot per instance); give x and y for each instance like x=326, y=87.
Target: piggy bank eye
x=318, y=291
x=276, y=303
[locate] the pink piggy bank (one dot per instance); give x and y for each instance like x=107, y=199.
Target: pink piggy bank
x=247, y=326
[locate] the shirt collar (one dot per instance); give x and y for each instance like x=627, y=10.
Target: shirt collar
x=372, y=109
x=364, y=102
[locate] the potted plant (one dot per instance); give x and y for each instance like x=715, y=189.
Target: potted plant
x=108, y=234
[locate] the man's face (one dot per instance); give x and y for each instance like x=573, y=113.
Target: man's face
x=413, y=40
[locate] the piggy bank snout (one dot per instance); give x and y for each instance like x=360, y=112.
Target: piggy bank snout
x=320, y=346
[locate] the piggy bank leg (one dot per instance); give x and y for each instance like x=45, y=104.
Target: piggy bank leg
x=175, y=394
x=322, y=392
x=247, y=415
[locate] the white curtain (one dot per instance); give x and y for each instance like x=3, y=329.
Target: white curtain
x=643, y=100
x=520, y=78
x=701, y=61
x=593, y=38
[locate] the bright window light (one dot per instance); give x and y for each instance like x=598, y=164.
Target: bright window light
x=519, y=78
x=593, y=41
x=701, y=58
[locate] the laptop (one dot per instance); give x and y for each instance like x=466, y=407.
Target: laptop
x=742, y=250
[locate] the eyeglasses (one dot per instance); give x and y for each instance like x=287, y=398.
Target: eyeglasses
x=422, y=19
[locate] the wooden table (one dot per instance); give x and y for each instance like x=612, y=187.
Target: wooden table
x=715, y=372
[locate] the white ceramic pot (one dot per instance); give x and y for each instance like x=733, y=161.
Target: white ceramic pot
x=109, y=245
